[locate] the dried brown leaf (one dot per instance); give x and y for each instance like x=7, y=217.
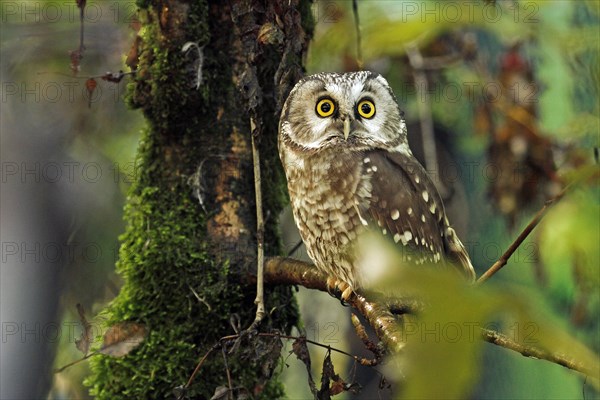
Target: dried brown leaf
x=122, y=338
x=300, y=349
x=332, y=383
x=326, y=376
x=90, y=85
x=221, y=392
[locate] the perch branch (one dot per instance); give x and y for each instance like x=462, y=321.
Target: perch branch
x=285, y=271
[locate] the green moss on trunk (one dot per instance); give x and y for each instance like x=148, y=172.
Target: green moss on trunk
x=197, y=141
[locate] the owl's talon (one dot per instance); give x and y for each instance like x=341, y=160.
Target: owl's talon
x=339, y=289
x=346, y=294
x=341, y=286
x=332, y=286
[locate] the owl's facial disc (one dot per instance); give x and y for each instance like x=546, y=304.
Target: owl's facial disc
x=356, y=111
x=346, y=121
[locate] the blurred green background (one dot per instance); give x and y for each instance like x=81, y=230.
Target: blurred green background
x=495, y=173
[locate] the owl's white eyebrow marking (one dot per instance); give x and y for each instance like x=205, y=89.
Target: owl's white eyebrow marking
x=395, y=214
x=356, y=90
x=425, y=195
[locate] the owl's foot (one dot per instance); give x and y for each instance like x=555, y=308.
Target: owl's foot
x=334, y=287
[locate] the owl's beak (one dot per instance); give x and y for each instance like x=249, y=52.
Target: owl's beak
x=346, y=128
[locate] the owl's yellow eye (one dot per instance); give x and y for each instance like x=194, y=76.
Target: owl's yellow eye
x=366, y=109
x=325, y=108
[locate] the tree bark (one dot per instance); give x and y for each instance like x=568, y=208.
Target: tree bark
x=191, y=212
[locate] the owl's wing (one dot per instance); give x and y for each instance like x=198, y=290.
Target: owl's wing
x=407, y=207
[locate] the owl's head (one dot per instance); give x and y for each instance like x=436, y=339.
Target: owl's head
x=356, y=111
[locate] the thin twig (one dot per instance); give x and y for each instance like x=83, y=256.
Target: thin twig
x=61, y=369
x=296, y=247
x=230, y=394
x=533, y=352
x=359, y=58
x=360, y=360
x=442, y=62
x=81, y=35
x=519, y=240
x=260, y=232
x=417, y=63
x=200, y=363
x=107, y=76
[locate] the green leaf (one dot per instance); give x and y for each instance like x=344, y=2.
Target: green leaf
x=442, y=355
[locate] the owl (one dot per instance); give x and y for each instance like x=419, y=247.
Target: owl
x=349, y=169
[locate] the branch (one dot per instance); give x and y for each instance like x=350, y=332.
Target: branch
x=387, y=326
x=417, y=62
x=533, y=352
x=285, y=271
x=260, y=231
x=359, y=58
x=519, y=240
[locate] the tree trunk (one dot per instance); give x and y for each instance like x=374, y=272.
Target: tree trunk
x=191, y=225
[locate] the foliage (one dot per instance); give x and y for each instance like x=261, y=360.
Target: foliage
x=443, y=348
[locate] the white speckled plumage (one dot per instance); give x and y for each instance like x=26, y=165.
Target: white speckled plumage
x=343, y=182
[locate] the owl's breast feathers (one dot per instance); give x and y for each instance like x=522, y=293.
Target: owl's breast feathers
x=337, y=195
x=324, y=190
